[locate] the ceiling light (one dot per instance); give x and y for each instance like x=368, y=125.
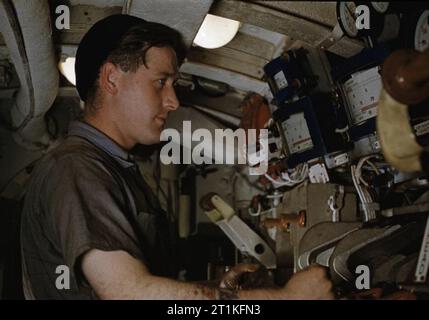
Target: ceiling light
x=66, y=66
x=216, y=32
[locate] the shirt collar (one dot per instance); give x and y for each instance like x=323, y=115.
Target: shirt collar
x=102, y=141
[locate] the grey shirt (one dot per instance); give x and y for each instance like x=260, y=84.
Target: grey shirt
x=88, y=194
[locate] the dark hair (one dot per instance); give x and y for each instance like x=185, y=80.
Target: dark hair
x=130, y=52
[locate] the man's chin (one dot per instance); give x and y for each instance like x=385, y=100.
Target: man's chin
x=156, y=139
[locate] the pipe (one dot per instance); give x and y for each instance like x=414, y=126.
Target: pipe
x=285, y=220
x=26, y=29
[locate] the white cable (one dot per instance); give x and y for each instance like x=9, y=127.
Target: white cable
x=377, y=171
x=364, y=195
x=277, y=184
x=342, y=130
x=360, y=193
x=257, y=213
x=296, y=176
x=274, y=196
x=362, y=161
x=290, y=180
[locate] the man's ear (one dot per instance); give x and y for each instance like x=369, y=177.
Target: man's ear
x=109, y=75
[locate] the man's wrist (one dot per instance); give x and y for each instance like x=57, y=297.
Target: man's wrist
x=226, y=294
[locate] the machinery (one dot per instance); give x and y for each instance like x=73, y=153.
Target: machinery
x=347, y=184
x=345, y=110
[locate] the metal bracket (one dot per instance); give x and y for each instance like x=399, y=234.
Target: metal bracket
x=244, y=238
x=332, y=38
x=423, y=261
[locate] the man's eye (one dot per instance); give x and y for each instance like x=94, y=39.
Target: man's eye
x=162, y=82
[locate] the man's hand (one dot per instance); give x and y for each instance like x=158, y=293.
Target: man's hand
x=231, y=279
x=311, y=283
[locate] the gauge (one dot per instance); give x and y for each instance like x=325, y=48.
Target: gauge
x=380, y=7
x=297, y=134
x=421, y=34
x=346, y=15
x=362, y=91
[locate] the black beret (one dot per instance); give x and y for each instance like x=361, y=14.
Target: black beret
x=96, y=45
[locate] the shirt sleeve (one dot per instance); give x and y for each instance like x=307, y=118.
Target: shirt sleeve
x=85, y=206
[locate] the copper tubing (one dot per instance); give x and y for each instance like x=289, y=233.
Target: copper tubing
x=285, y=220
x=405, y=75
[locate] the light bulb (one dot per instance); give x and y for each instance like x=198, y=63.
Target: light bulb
x=66, y=67
x=216, y=32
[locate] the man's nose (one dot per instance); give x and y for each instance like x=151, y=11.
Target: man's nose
x=170, y=99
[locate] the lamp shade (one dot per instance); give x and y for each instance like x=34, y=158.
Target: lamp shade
x=66, y=67
x=216, y=32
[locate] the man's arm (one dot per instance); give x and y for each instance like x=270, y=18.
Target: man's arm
x=118, y=275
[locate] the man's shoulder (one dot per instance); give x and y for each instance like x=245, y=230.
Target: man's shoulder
x=74, y=148
x=74, y=156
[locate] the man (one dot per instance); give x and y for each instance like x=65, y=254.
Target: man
x=88, y=209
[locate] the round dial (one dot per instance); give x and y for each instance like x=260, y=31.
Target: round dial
x=421, y=34
x=346, y=15
x=380, y=7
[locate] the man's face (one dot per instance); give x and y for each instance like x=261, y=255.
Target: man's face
x=145, y=98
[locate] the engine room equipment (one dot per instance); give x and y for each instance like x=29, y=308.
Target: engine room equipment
x=339, y=259
x=308, y=128
x=359, y=83
x=318, y=243
x=313, y=199
x=290, y=75
x=414, y=26
x=422, y=267
x=421, y=35
x=285, y=221
x=244, y=238
x=347, y=15
x=390, y=248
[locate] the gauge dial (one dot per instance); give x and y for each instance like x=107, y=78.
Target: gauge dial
x=421, y=34
x=346, y=15
x=297, y=134
x=380, y=7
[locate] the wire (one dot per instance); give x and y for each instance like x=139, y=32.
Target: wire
x=277, y=184
x=274, y=196
x=363, y=193
x=360, y=165
x=259, y=212
x=295, y=177
x=377, y=171
x=342, y=130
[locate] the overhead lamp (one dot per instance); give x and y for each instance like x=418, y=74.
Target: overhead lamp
x=66, y=66
x=216, y=32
